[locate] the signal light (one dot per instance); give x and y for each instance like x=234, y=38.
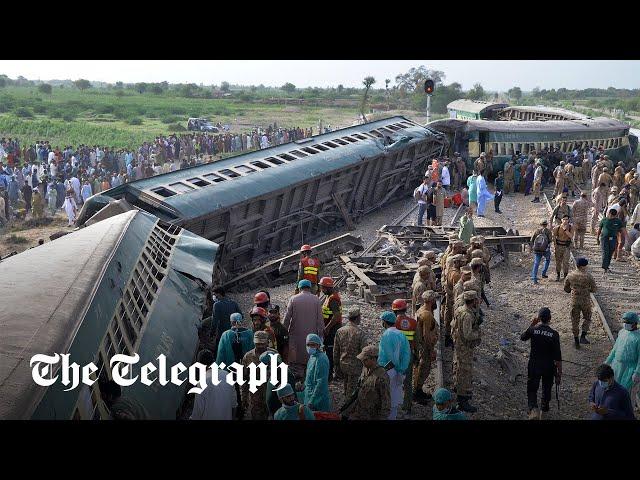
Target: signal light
x=429, y=86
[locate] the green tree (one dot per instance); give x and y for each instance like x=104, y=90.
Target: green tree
x=224, y=86
x=515, y=93
x=414, y=79
x=367, y=82
x=82, y=84
x=45, y=88
x=3, y=82
x=476, y=93
x=119, y=85
x=141, y=87
x=157, y=89
x=288, y=87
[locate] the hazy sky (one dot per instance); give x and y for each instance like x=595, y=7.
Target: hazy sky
x=492, y=74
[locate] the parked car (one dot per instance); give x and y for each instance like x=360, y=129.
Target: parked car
x=201, y=125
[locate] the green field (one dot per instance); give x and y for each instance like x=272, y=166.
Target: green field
x=126, y=118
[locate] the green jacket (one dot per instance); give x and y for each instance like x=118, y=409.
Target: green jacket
x=467, y=229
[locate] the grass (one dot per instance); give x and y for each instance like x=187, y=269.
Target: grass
x=16, y=239
x=99, y=116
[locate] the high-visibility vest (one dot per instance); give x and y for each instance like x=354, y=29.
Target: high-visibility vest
x=326, y=311
x=310, y=268
x=408, y=326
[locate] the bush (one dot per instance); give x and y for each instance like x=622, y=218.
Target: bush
x=68, y=117
x=177, y=110
x=176, y=127
x=105, y=109
x=56, y=113
x=169, y=119
x=134, y=121
x=41, y=109
x=16, y=239
x=24, y=112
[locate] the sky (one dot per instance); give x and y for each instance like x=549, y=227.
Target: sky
x=494, y=75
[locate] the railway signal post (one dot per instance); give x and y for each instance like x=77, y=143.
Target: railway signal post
x=429, y=86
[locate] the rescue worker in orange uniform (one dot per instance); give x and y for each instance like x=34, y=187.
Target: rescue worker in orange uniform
x=332, y=315
x=408, y=327
x=259, y=318
x=262, y=299
x=309, y=269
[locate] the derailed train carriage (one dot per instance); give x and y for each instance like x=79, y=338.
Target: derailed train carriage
x=130, y=284
x=272, y=200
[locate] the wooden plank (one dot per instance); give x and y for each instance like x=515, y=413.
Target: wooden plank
x=343, y=211
x=350, y=266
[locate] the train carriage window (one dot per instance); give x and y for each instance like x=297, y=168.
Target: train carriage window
x=357, y=135
x=322, y=148
x=164, y=192
x=245, y=169
x=339, y=141
x=181, y=187
x=353, y=140
x=286, y=156
x=298, y=153
x=386, y=130
x=367, y=134
x=309, y=150
x=199, y=182
x=376, y=133
x=399, y=125
x=214, y=178
x=260, y=164
x=229, y=173
x=330, y=144
x=391, y=127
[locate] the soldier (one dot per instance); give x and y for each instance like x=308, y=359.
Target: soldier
x=462, y=169
x=569, y=180
x=372, y=397
x=467, y=338
x=559, y=175
x=586, y=168
x=332, y=315
x=349, y=342
x=476, y=265
x=452, y=277
x=605, y=178
x=560, y=210
x=479, y=164
x=562, y=236
x=426, y=281
x=426, y=338
x=281, y=334
x=259, y=318
x=618, y=176
x=438, y=201
x=537, y=181
x=580, y=284
x=580, y=218
x=38, y=205
x=508, y=176
x=453, y=238
x=599, y=202
x=309, y=269
x=577, y=172
x=407, y=326
x=596, y=171
x=254, y=404
x=458, y=288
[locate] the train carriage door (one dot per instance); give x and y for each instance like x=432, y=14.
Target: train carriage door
x=482, y=136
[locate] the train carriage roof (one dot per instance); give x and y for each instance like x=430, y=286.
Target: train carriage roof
x=46, y=291
x=590, y=124
x=569, y=114
x=474, y=106
x=355, y=143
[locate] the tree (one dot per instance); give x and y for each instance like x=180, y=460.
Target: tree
x=45, y=88
x=157, y=89
x=476, y=93
x=224, y=86
x=340, y=88
x=515, y=93
x=119, y=85
x=82, y=84
x=288, y=87
x=414, y=79
x=367, y=82
x=141, y=87
x=536, y=92
x=3, y=82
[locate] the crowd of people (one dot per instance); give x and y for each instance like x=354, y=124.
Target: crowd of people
x=40, y=178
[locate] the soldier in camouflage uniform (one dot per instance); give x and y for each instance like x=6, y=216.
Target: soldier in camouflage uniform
x=426, y=338
x=453, y=238
x=580, y=284
x=618, y=176
x=560, y=210
x=581, y=209
x=254, y=404
x=373, y=400
x=599, y=201
x=426, y=281
x=452, y=277
x=562, y=237
x=559, y=175
x=349, y=342
x=605, y=178
x=477, y=242
x=468, y=337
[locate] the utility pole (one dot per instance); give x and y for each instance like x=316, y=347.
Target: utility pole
x=429, y=87
x=428, y=108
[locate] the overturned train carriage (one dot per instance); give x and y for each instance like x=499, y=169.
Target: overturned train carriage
x=129, y=284
x=272, y=200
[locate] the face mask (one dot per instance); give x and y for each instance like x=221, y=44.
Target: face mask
x=312, y=350
x=628, y=326
x=603, y=384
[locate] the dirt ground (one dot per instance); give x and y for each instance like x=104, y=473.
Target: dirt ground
x=31, y=235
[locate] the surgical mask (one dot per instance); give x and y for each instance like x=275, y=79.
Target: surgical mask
x=628, y=326
x=603, y=384
x=312, y=350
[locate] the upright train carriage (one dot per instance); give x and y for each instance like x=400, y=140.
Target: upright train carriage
x=272, y=200
x=130, y=284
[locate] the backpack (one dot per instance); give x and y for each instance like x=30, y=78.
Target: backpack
x=540, y=243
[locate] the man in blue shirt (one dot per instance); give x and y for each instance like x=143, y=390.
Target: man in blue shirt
x=222, y=310
x=608, y=399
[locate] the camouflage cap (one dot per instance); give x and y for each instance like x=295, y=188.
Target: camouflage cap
x=429, y=296
x=465, y=269
x=457, y=258
x=476, y=261
x=430, y=254
x=469, y=285
x=423, y=269
x=474, y=239
x=458, y=243
x=480, y=238
x=423, y=262
x=261, y=337
x=470, y=295
x=370, y=351
x=354, y=312
x=477, y=253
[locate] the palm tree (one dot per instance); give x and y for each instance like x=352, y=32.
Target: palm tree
x=367, y=82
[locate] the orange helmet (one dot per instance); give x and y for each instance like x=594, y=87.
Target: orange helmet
x=305, y=248
x=260, y=297
x=326, y=282
x=259, y=311
x=399, y=304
